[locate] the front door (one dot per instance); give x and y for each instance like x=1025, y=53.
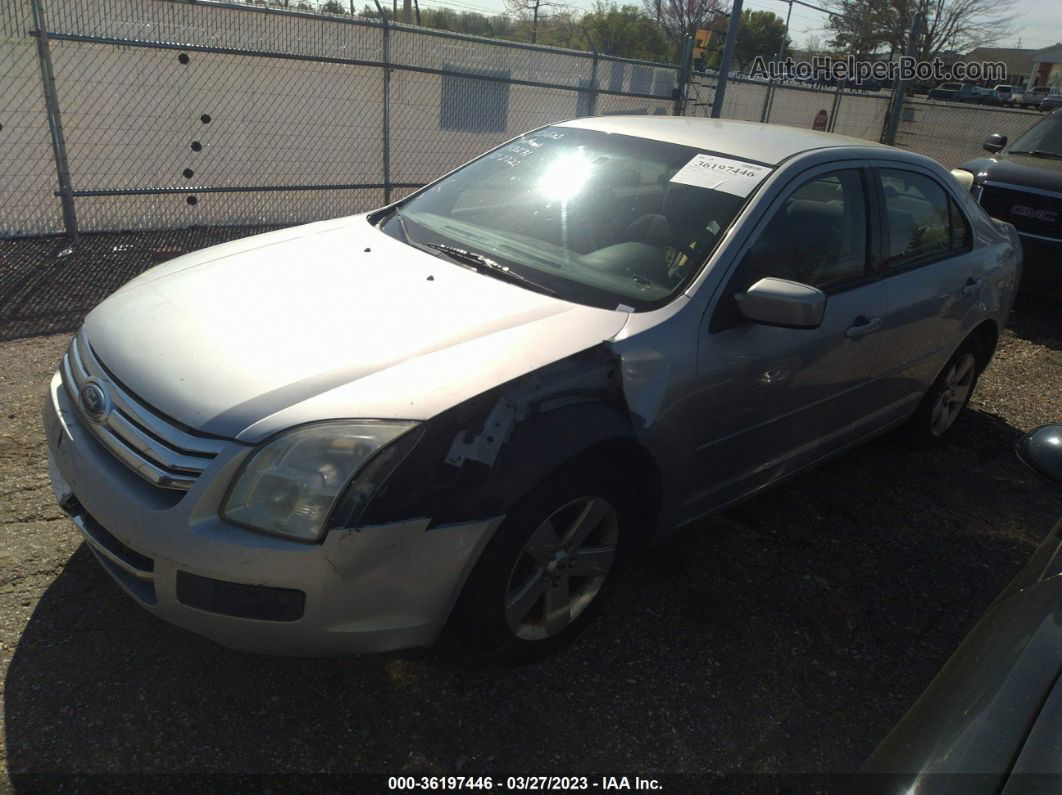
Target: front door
x=773, y=399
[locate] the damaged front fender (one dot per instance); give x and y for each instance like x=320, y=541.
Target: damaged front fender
x=480, y=457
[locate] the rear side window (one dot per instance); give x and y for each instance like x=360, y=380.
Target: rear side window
x=924, y=223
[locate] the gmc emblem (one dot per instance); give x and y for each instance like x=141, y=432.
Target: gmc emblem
x=1036, y=214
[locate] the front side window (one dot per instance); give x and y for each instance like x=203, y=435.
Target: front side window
x=924, y=222
x=817, y=236
x=602, y=219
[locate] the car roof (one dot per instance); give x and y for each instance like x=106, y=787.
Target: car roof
x=766, y=143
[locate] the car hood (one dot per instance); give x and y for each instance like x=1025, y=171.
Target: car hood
x=329, y=320
x=1034, y=172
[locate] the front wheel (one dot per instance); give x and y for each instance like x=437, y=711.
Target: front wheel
x=547, y=569
x=947, y=397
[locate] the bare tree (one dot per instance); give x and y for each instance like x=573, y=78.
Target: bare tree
x=679, y=18
x=529, y=11
x=813, y=44
x=865, y=26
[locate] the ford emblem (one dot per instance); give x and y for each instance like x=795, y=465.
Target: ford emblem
x=94, y=401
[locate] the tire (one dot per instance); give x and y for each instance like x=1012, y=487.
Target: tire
x=947, y=397
x=527, y=596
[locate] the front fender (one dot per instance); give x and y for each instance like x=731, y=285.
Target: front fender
x=476, y=460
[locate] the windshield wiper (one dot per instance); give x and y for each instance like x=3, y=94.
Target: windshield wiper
x=486, y=265
x=1037, y=153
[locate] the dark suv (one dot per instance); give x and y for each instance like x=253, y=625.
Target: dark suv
x=1021, y=183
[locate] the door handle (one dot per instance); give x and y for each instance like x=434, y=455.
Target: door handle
x=863, y=326
x=971, y=286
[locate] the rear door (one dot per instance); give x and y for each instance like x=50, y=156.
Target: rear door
x=932, y=277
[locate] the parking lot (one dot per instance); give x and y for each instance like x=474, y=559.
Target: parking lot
x=785, y=636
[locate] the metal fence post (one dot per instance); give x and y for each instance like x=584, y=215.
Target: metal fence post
x=55, y=125
x=728, y=56
x=682, y=78
x=386, y=110
x=834, y=108
x=768, y=95
x=888, y=136
x=591, y=97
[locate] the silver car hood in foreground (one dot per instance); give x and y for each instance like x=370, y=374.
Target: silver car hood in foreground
x=324, y=321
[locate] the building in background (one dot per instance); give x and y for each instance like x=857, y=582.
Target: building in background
x=1019, y=62
x=1047, y=67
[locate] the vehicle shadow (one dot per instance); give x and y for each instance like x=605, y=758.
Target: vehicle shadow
x=785, y=636
x=1035, y=315
x=1036, y=318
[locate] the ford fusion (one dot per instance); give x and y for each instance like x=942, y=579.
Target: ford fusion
x=473, y=407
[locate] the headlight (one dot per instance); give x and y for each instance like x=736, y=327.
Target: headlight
x=289, y=485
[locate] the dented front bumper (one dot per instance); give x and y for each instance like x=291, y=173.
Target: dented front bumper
x=368, y=589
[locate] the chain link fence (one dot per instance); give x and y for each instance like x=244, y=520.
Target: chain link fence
x=855, y=113
x=952, y=132
x=27, y=165
x=179, y=114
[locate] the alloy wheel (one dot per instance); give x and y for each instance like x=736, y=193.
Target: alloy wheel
x=953, y=396
x=561, y=568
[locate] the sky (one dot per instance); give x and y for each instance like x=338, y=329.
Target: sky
x=1038, y=23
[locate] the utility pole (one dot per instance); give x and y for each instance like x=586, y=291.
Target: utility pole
x=785, y=38
x=728, y=56
x=901, y=85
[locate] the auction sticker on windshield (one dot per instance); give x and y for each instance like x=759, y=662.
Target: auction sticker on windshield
x=735, y=177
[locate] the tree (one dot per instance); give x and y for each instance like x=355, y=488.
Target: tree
x=529, y=11
x=680, y=18
x=562, y=29
x=761, y=33
x=867, y=26
x=813, y=45
x=625, y=31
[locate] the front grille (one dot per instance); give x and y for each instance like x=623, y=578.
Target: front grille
x=147, y=443
x=133, y=571
x=1033, y=213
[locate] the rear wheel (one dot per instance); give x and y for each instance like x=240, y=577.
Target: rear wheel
x=947, y=397
x=546, y=571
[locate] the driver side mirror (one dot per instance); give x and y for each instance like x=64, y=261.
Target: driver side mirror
x=1041, y=450
x=780, y=302
x=994, y=143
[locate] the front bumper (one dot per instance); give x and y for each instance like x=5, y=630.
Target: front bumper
x=366, y=590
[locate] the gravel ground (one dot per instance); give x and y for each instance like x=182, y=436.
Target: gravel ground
x=785, y=636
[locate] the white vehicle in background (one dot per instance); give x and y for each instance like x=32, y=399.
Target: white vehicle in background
x=1005, y=95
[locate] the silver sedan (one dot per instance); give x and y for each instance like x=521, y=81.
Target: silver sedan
x=473, y=407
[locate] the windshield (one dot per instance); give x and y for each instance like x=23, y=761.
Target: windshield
x=1045, y=136
x=601, y=219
